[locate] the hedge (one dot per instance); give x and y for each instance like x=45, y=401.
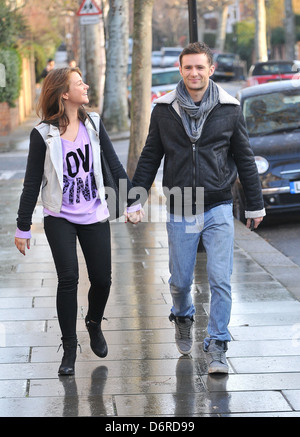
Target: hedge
x=11, y=60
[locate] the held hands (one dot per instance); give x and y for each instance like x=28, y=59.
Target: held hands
x=137, y=216
x=134, y=217
x=22, y=243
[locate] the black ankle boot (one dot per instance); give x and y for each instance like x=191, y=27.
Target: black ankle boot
x=98, y=343
x=67, y=366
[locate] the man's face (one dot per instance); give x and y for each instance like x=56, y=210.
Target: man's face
x=196, y=71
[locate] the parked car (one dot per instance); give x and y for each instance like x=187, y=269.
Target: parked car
x=271, y=71
x=155, y=58
x=297, y=64
x=272, y=114
x=164, y=80
x=228, y=66
x=169, y=56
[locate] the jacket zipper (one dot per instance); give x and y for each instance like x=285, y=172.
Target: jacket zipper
x=194, y=174
x=194, y=162
x=194, y=152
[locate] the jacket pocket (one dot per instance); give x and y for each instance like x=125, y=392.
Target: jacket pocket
x=223, y=169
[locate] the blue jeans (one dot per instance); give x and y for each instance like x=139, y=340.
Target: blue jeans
x=217, y=229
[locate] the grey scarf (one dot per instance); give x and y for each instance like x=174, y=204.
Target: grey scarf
x=193, y=116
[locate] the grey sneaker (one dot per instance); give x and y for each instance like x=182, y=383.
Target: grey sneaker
x=216, y=358
x=183, y=333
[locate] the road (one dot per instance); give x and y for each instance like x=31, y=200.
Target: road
x=282, y=232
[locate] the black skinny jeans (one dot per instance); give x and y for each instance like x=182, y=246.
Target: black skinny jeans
x=95, y=243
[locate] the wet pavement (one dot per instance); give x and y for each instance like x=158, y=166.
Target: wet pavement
x=143, y=374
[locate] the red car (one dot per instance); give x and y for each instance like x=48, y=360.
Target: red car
x=271, y=71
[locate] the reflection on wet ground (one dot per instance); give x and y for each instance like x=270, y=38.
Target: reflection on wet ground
x=143, y=374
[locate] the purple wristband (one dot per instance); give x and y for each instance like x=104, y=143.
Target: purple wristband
x=23, y=234
x=134, y=208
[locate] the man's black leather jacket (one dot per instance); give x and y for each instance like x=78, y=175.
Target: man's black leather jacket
x=212, y=162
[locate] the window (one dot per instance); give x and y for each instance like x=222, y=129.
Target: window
x=165, y=78
x=278, y=111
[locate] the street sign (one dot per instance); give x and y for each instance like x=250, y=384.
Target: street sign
x=89, y=12
x=89, y=19
x=89, y=7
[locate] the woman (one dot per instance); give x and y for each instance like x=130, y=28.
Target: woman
x=64, y=157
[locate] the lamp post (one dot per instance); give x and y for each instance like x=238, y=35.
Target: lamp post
x=193, y=28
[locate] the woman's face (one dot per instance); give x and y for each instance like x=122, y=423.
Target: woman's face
x=77, y=93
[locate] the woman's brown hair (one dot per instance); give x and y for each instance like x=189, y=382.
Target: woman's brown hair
x=50, y=107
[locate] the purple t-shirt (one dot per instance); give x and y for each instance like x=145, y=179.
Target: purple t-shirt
x=80, y=202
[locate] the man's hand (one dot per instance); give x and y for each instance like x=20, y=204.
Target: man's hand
x=253, y=223
x=135, y=217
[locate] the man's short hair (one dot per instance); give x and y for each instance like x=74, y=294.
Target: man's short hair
x=195, y=48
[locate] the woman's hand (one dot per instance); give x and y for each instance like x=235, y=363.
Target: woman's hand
x=135, y=217
x=22, y=243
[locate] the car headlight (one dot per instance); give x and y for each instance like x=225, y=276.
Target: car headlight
x=261, y=164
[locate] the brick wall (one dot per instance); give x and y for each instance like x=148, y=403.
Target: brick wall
x=9, y=118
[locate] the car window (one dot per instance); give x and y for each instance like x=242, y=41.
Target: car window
x=225, y=58
x=165, y=78
x=172, y=52
x=286, y=68
x=278, y=111
x=269, y=69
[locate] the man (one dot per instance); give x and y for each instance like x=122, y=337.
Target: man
x=50, y=66
x=200, y=131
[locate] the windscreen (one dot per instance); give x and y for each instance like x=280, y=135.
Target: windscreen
x=275, y=112
x=269, y=69
x=165, y=78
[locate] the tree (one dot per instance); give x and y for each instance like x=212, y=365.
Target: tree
x=222, y=8
x=261, y=31
x=203, y=7
x=141, y=81
x=90, y=60
x=289, y=25
x=245, y=34
x=115, y=108
x=12, y=26
x=169, y=23
x=46, y=26
x=222, y=22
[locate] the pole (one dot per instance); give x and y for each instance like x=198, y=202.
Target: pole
x=82, y=56
x=193, y=28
